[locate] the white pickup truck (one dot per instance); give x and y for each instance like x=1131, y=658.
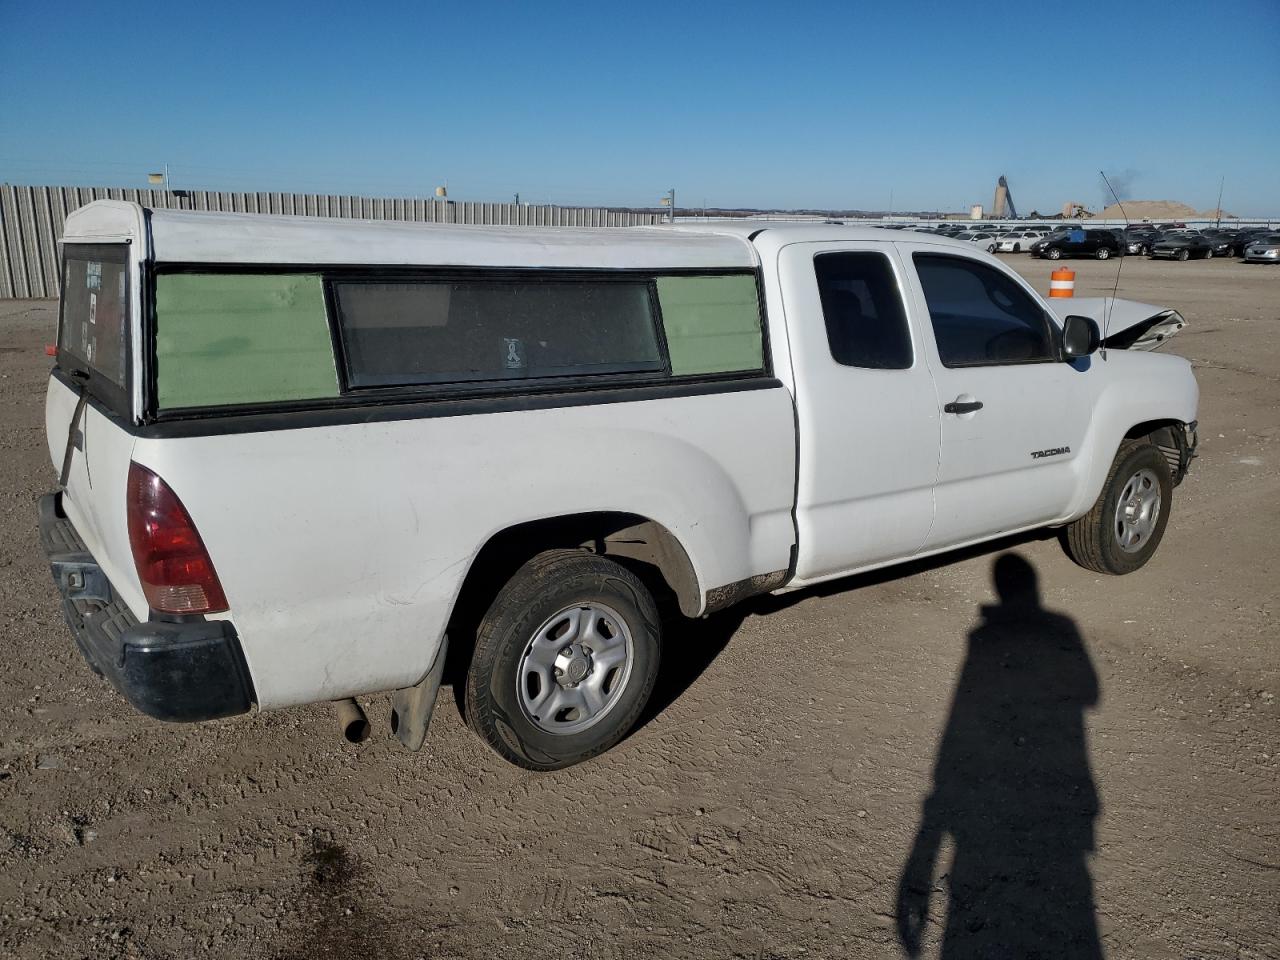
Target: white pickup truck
x=300, y=459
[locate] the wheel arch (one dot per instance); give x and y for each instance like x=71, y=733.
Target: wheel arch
x=1169, y=435
x=649, y=548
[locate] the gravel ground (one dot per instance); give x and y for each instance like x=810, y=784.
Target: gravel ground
x=1102, y=766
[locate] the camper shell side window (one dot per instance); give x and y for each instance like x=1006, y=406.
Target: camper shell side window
x=231, y=339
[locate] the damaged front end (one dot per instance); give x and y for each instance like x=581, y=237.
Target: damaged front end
x=1177, y=443
x=1125, y=324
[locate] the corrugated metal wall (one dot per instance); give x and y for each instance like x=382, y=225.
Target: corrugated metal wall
x=31, y=220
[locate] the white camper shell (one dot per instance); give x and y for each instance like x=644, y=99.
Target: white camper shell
x=300, y=459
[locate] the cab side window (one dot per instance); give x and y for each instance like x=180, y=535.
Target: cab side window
x=863, y=311
x=979, y=315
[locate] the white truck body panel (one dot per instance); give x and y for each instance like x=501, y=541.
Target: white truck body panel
x=342, y=548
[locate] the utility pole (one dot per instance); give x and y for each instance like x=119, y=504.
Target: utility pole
x=1221, y=184
x=670, y=201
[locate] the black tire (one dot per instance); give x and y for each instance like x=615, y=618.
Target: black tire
x=1053, y=253
x=1102, y=253
x=1184, y=255
x=1092, y=541
x=551, y=582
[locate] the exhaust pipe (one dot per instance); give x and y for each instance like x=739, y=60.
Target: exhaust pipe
x=352, y=721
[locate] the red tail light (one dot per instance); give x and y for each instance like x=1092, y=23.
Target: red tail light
x=174, y=567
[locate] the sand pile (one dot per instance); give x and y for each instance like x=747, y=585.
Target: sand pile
x=1157, y=210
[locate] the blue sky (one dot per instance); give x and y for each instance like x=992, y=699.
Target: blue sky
x=833, y=105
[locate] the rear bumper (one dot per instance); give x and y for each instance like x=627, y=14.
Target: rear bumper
x=170, y=670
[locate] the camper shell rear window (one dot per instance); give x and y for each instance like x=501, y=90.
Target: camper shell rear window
x=245, y=337
x=93, y=320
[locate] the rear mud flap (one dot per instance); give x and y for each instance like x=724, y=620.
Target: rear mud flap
x=412, y=707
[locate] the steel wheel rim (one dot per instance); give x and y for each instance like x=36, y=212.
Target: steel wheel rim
x=1137, y=511
x=574, y=668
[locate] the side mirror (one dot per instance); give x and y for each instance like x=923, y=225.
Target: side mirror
x=1080, y=337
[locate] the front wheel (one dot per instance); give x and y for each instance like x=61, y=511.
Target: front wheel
x=565, y=660
x=1208, y=254
x=1053, y=253
x=1184, y=255
x=1125, y=526
x=1102, y=253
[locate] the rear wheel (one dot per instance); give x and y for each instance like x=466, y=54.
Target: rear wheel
x=1102, y=253
x=1125, y=526
x=565, y=660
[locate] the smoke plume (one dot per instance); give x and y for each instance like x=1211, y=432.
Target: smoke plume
x=1121, y=182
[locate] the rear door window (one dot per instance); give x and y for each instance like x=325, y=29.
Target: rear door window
x=863, y=311
x=93, y=322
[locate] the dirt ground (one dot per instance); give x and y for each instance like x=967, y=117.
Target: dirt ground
x=1103, y=765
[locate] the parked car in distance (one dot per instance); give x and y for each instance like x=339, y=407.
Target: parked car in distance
x=1225, y=243
x=1242, y=238
x=1016, y=241
x=987, y=241
x=1265, y=249
x=1077, y=242
x=304, y=460
x=1139, y=241
x=1181, y=246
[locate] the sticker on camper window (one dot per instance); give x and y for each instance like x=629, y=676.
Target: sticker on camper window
x=515, y=353
x=93, y=308
x=93, y=276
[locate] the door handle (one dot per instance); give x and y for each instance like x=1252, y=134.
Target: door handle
x=962, y=406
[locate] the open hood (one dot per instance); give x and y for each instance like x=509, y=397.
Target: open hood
x=1130, y=325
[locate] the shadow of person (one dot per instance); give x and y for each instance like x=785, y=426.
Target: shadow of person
x=1013, y=790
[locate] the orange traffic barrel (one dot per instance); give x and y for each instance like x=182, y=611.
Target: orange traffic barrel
x=1062, y=283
